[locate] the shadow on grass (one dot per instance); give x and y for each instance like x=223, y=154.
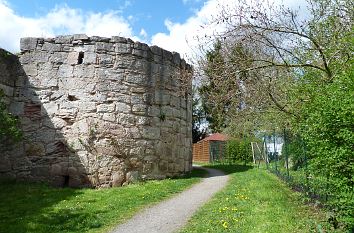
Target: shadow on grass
x=196, y=172
x=23, y=206
x=230, y=168
x=30, y=207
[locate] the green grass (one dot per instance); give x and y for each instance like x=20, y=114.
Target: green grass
x=255, y=201
x=39, y=208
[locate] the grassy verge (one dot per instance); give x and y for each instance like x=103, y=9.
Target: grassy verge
x=255, y=201
x=39, y=208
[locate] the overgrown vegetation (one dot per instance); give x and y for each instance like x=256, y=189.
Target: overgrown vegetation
x=328, y=128
x=9, y=131
x=39, y=208
x=256, y=201
x=271, y=69
x=238, y=150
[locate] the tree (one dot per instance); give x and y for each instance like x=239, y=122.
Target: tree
x=199, y=131
x=218, y=90
x=267, y=49
x=293, y=72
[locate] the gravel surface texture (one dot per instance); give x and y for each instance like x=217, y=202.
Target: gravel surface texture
x=172, y=214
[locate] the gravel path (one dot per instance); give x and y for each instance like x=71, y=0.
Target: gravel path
x=172, y=214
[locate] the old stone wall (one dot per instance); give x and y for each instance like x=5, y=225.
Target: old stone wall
x=99, y=112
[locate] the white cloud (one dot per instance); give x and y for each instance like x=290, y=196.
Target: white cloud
x=143, y=33
x=60, y=20
x=181, y=37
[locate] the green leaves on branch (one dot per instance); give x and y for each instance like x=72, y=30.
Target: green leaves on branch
x=239, y=150
x=328, y=128
x=9, y=131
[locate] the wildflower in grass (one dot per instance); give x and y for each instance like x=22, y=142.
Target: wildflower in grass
x=225, y=225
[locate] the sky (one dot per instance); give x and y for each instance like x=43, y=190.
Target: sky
x=170, y=24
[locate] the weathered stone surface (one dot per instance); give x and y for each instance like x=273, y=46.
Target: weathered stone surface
x=35, y=149
x=56, y=170
x=50, y=47
x=118, y=39
x=132, y=176
x=122, y=107
x=5, y=165
x=28, y=43
x=118, y=179
x=106, y=108
x=123, y=48
x=65, y=71
x=80, y=37
x=63, y=39
x=31, y=69
x=90, y=58
x=97, y=112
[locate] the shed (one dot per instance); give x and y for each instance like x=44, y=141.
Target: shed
x=210, y=149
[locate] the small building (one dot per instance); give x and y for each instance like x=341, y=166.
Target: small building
x=210, y=149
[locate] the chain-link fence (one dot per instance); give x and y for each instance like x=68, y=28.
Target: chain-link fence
x=285, y=155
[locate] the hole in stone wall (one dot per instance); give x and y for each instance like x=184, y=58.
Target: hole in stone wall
x=72, y=98
x=80, y=59
x=66, y=181
x=68, y=120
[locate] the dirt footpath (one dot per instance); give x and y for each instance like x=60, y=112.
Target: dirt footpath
x=172, y=214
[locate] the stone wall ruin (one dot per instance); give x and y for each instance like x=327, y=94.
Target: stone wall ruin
x=97, y=111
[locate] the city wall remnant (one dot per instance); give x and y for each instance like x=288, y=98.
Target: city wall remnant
x=97, y=112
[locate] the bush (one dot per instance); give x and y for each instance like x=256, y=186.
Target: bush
x=328, y=129
x=9, y=132
x=294, y=148
x=239, y=150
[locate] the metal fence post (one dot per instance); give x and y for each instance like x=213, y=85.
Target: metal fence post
x=286, y=154
x=265, y=152
x=305, y=160
x=275, y=153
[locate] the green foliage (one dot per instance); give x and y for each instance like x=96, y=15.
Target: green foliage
x=218, y=91
x=328, y=128
x=9, y=132
x=239, y=150
x=294, y=149
x=306, y=86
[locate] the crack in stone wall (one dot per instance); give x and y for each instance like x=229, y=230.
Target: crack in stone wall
x=98, y=112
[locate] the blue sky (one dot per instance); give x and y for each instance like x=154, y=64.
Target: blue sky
x=142, y=14
x=149, y=21
x=171, y=24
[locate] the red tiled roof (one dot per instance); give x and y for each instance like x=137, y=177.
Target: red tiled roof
x=216, y=137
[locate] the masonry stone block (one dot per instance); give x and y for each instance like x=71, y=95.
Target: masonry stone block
x=90, y=58
x=50, y=47
x=123, y=107
x=98, y=112
x=106, y=108
x=80, y=37
x=123, y=48
x=28, y=43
